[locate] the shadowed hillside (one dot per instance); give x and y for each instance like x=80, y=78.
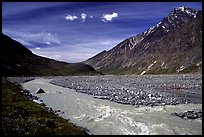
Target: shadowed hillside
x=17, y=60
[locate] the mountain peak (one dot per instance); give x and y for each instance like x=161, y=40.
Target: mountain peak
x=176, y=18
x=184, y=10
x=171, y=45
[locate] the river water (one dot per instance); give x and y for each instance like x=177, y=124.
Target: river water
x=104, y=117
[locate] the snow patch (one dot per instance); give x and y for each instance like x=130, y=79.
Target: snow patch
x=150, y=30
x=143, y=72
x=37, y=101
x=134, y=41
x=191, y=13
x=162, y=64
x=181, y=8
x=180, y=69
x=158, y=24
x=151, y=65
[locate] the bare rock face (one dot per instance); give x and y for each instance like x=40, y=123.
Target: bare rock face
x=174, y=45
x=40, y=91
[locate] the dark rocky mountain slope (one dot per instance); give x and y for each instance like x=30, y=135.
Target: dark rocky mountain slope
x=172, y=46
x=17, y=60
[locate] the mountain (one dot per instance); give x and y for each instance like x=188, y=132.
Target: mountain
x=17, y=60
x=172, y=46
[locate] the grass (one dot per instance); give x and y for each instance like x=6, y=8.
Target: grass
x=162, y=71
x=190, y=69
x=21, y=116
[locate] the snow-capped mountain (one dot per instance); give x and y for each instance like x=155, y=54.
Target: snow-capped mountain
x=176, y=18
x=172, y=44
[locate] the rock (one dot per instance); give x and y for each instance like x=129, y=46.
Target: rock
x=175, y=114
x=58, y=110
x=191, y=114
x=40, y=91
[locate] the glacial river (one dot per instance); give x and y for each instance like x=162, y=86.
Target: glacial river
x=104, y=117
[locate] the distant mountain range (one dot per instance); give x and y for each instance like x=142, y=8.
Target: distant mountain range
x=17, y=60
x=172, y=46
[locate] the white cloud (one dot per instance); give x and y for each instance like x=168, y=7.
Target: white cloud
x=37, y=48
x=83, y=17
x=70, y=17
x=91, y=17
x=109, y=17
x=47, y=42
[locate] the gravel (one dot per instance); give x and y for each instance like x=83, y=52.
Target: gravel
x=146, y=90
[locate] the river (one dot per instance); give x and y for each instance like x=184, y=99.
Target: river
x=104, y=117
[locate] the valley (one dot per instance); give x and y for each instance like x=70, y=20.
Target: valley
x=149, y=83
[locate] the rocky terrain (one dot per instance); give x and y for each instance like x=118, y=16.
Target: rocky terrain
x=172, y=46
x=148, y=90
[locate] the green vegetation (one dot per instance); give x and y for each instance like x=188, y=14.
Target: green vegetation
x=162, y=71
x=21, y=116
x=191, y=69
x=155, y=71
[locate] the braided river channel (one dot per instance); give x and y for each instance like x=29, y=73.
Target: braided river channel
x=106, y=117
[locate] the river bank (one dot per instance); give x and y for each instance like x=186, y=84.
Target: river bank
x=22, y=116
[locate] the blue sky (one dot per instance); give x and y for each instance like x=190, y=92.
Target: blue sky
x=75, y=31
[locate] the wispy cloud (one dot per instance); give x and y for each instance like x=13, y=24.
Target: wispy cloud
x=83, y=17
x=109, y=17
x=43, y=44
x=75, y=52
x=27, y=38
x=70, y=17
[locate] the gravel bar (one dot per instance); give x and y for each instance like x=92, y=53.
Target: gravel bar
x=146, y=90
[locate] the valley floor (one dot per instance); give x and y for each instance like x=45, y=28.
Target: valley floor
x=159, y=104
x=147, y=90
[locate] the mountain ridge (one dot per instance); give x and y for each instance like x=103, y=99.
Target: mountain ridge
x=137, y=54
x=17, y=60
